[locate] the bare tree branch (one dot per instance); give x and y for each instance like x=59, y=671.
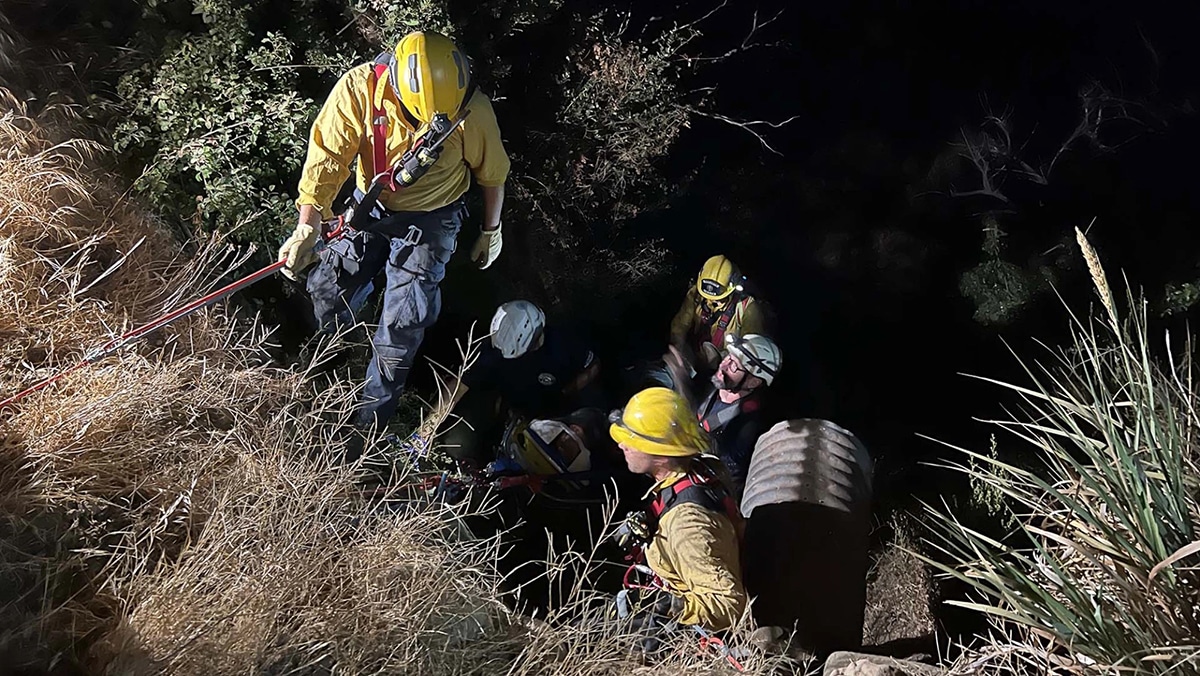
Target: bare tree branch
x=982, y=151
x=1099, y=107
x=747, y=44
x=748, y=125
x=692, y=24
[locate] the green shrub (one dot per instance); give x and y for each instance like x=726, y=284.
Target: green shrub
x=1101, y=563
x=386, y=21
x=218, y=119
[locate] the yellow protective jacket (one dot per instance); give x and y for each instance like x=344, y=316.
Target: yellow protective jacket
x=341, y=134
x=695, y=552
x=688, y=325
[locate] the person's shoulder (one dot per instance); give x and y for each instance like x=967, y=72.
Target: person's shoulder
x=481, y=110
x=696, y=517
x=357, y=76
x=752, y=301
x=479, y=101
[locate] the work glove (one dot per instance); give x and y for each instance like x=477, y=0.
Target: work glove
x=650, y=607
x=502, y=467
x=298, y=251
x=678, y=365
x=634, y=531
x=487, y=247
x=658, y=607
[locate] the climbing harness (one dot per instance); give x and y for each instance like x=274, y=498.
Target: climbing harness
x=628, y=584
x=715, y=422
x=697, y=489
x=655, y=582
x=708, y=642
x=718, y=322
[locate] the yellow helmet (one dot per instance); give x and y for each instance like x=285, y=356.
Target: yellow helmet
x=718, y=279
x=658, y=421
x=430, y=74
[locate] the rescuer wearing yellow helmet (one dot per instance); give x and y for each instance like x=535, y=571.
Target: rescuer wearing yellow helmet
x=415, y=129
x=716, y=305
x=689, y=529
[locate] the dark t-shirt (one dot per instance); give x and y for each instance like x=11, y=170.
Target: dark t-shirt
x=533, y=383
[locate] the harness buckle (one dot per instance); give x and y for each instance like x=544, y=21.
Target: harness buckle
x=413, y=236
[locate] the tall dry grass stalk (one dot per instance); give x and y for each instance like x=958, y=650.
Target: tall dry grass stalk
x=1099, y=279
x=178, y=507
x=1103, y=565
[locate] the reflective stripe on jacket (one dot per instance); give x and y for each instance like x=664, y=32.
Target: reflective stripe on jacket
x=341, y=136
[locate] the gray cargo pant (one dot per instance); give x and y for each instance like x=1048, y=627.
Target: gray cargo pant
x=413, y=248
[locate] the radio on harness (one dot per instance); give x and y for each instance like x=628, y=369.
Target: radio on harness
x=417, y=160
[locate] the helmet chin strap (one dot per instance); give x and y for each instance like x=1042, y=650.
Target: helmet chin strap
x=716, y=305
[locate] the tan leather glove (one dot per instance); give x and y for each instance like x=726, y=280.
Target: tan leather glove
x=298, y=250
x=487, y=247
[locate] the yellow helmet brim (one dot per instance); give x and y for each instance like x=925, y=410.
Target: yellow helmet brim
x=626, y=436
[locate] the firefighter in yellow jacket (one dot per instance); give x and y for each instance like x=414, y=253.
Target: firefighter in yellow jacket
x=375, y=114
x=715, y=306
x=688, y=530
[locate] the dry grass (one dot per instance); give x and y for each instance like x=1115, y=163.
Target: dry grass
x=1022, y=652
x=166, y=497
x=175, y=508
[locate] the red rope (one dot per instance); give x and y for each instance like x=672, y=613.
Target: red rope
x=141, y=331
x=708, y=641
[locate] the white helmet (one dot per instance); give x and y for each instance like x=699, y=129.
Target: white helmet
x=758, y=354
x=515, y=327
